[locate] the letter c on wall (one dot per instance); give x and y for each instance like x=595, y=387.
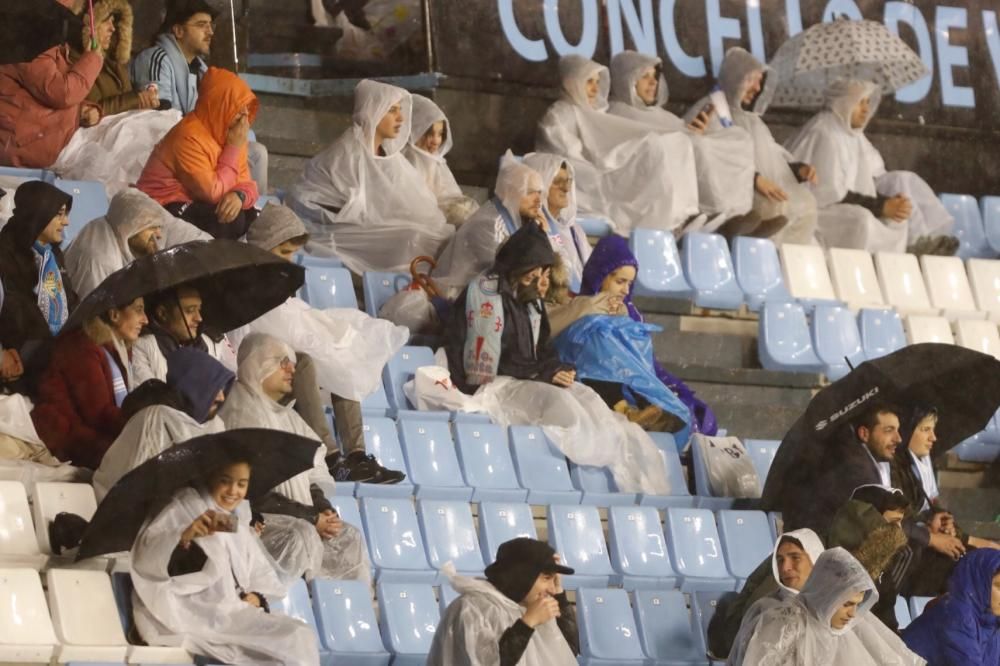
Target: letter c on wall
x=529, y=49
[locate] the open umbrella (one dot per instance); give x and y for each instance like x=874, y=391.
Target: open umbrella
x=274, y=456
x=964, y=386
x=29, y=28
x=808, y=63
x=238, y=282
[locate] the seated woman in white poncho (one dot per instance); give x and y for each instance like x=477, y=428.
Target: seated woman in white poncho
x=301, y=530
x=827, y=624
x=625, y=171
x=518, y=616
x=431, y=140
x=855, y=211
x=724, y=158
x=361, y=199
x=206, y=591
x=783, y=206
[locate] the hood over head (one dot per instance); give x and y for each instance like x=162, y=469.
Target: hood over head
x=121, y=42
x=547, y=166
x=258, y=358
x=526, y=249
x=35, y=204
x=372, y=100
x=275, y=225
x=574, y=70
x=425, y=114
x=221, y=95
x=611, y=253
x=835, y=578
x=810, y=543
x=130, y=212
x=627, y=68
x=515, y=180
x=736, y=68
x=972, y=580
x=199, y=377
x=844, y=94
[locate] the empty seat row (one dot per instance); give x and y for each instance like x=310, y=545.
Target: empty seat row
x=24, y=534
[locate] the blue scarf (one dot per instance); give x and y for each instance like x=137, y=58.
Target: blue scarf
x=485, y=322
x=118, y=384
x=508, y=219
x=49, y=289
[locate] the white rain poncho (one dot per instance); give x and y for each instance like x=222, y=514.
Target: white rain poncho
x=23, y=455
x=625, y=171
x=724, y=158
x=148, y=361
x=373, y=211
x=474, y=246
x=294, y=543
x=147, y=434
x=202, y=611
x=471, y=627
x=566, y=235
x=101, y=248
x=771, y=159
x=576, y=419
x=840, y=154
x=798, y=633
x=115, y=151
x=433, y=167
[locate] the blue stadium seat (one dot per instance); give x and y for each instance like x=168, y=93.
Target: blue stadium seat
x=968, y=226
x=446, y=595
x=376, y=403
x=762, y=452
x=90, y=201
x=607, y=628
x=777, y=524
x=471, y=417
x=11, y=173
x=394, y=541
x=347, y=508
x=639, y=549
x=990, y=208
x=679, y=493
x=784, y=342
x=902, y=612
x=541, y=467
x=450, y=536
x=668, y=628
x=706, y=499
x=346, y=622
x=264, y=199
x=598, y=486
x=484, y=451
x=430, y=458
x=704, y=605
x=121, y=585
x=977, y=449
x=758, y=271
x=576, y=534
x=499, y=523
x=660, y=273
x=917, y=606
x=329, y=287
x=693, y=542
x=709, y=269
x=379, y=287
x=297, y=604
x=409, y=618
x=382, y=441
x=317, y=261
x=594, y=226
x=746, y=540
x=881, y=332
x=836, y=340
x=400, y=369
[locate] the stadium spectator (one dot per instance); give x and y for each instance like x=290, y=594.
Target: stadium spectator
x=23, y=455
x=199, y=170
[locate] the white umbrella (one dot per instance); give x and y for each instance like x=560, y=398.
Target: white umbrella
x=808, y=63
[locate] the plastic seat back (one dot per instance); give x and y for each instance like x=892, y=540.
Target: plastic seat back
x=917, y=606
x=317, y=261
x=806, y=274
x=347, y=508
x=430, y=457
x=577, y=535
x=394, y=539
x=979, y=335
x=450, y=535
x=693, y=542
x=607, y=626
x=382, y=441
x=295, y=604
x=484, y=452
x=380, y=287
x=762, y=452
x=501, y=522
x=598, y=486
x=637, y=544
x=345, y=618
x=902, y=612
x=18, y=543
x=984, y=278
x=541, y=467
x=881, y=332
x=55, y=498
x=921, y=328
x=329, y=287
x=660, y=272
x=837, y=340
x=26, y=632
x=85, y=615
x=854, y=279
x=709, y=269
x=90, y=201
x=948, y=286
x=758, y=271
x=446, y=595
x=400, y=369
x=784, y=341
x=746, y=540
x=377, y=402
x=667, y=627
x=409, y=618
x=902, y=283
x=968, y=226
x=990, y=208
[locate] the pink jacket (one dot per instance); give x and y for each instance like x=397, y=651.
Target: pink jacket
x=40, y=105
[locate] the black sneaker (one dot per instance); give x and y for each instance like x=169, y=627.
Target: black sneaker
x=363, y=468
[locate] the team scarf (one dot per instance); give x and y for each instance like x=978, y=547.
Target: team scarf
x=50, y=290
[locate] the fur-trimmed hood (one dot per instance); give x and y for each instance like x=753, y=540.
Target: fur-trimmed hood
x=121, y=43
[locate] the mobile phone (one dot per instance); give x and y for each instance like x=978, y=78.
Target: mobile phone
x=708, y=109
x=224, y=522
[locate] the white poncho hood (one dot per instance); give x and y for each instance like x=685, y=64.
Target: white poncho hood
x=627, y=68
x=811, y=544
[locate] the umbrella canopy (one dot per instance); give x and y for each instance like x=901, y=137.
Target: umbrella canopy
x=275, y=457
x=28, y=28
x=808, y=63
x=238, y=282
x=964, y=386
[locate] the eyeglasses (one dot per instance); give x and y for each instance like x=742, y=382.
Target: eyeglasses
x=203, y=25
x=286, y=364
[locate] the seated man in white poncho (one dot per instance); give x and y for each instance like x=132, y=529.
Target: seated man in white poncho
x=160, y=415
x=781, y=196
x=431, y=140
x=854, y=210
x=724, y=158
x=301, y=530
x=625, y=171
x=827, y=624
x=518, y=616
x=361, y=199
x=134, y=226
x=206, y=591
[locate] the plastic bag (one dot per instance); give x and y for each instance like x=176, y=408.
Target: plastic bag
x=412, y=307
x=730, y=471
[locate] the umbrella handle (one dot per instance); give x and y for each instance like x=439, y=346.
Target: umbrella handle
x=236, y=57
x=93, y=30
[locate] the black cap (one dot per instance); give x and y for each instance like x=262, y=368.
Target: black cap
x=180, y=11
x=519, y=562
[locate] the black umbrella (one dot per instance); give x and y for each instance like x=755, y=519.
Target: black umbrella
x=963, y=385
x=275, y=457
x=238, y=282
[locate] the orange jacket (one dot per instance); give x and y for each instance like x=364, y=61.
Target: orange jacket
x=193, y=162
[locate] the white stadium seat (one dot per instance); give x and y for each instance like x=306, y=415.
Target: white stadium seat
x=18, y=544
x=984, y=277
x=85, y=616
x=26, y=634
x=806, y=275
x=854, y=278
x=979, y=335
x=921, y=328
x=949, y=288
x=903, y=283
